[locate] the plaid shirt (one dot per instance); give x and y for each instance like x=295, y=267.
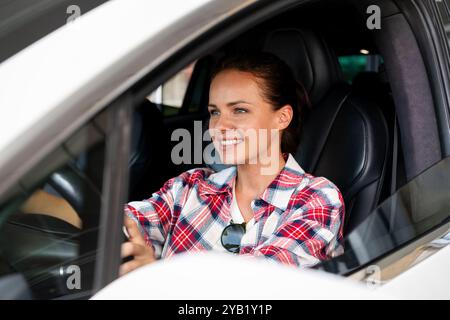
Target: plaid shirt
x=298, y=218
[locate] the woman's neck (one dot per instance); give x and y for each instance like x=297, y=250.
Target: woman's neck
x=252, y=182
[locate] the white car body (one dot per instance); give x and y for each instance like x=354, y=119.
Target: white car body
x=63, y=79
x=221, y=276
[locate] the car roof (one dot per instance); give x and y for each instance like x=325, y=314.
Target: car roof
x=61, y=80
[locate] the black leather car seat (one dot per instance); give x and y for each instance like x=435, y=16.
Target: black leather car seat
x=345, y=137
x=376, y=86
x=150, y=164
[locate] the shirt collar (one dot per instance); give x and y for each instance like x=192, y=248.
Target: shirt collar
x=280, y=190
x=278, y=193
x=218, y=182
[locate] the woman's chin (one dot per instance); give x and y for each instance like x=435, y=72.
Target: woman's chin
x=231, y=159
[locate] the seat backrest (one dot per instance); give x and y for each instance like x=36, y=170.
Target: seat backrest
x=345, y=137
x=350, y=150
x=150, y=164
x=376, y=86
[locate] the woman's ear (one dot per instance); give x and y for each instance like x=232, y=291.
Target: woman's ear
x=284, y=116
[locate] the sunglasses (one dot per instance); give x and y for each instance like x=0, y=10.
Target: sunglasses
x=232, y=236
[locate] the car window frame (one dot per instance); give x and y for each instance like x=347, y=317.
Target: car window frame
x=115, y=191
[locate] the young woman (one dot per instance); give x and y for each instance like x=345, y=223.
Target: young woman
x=264, y=205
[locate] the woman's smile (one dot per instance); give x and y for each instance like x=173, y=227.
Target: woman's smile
x=229, y=142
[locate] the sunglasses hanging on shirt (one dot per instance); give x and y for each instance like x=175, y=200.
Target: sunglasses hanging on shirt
x=232, y=236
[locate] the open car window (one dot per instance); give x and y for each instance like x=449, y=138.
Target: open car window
x=417, y=208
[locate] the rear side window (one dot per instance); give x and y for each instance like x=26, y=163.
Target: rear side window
x=351, y=65
x=170, y=95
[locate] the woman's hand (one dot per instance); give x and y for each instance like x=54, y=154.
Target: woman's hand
x=136, y=247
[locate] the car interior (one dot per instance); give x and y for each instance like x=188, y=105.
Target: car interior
x=348, y=135
x=365, y=131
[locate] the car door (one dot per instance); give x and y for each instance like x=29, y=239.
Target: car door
x=54, y=220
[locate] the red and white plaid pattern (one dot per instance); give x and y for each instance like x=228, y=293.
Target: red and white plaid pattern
x=298, y=218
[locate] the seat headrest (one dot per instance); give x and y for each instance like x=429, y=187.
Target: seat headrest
x=312, y=61
x=368, y=83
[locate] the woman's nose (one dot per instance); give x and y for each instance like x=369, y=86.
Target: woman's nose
x=223, y=123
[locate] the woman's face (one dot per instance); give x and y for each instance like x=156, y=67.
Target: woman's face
x=243, y=126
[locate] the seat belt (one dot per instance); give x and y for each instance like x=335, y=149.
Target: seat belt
x=394, y=157
x=393, y=173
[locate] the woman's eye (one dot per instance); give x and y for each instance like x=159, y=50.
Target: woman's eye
x=240, y=110
x=213, y=112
